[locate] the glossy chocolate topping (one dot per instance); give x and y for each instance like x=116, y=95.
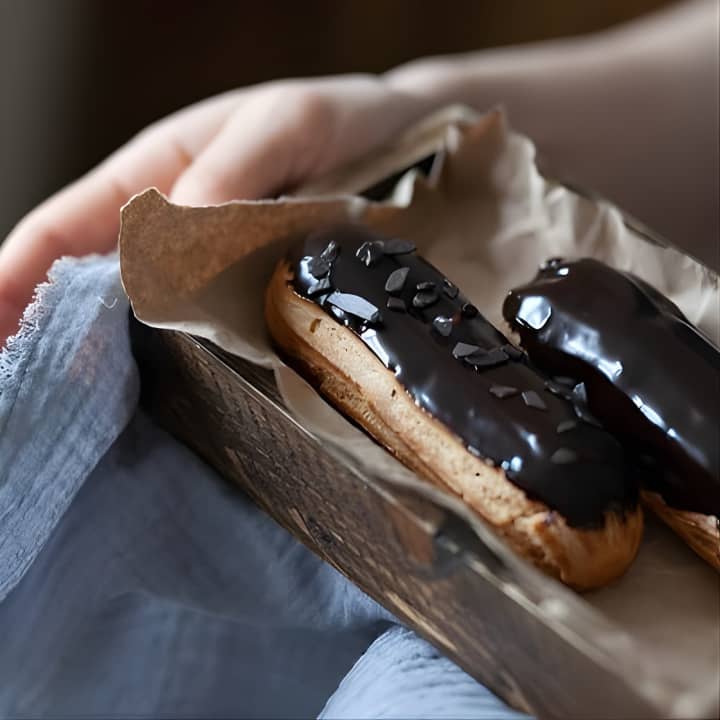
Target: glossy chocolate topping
x=650, y=376
x=463, y=371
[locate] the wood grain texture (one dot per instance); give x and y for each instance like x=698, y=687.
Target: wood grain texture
x=404, y=552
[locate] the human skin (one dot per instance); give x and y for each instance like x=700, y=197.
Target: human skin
x=631, y=112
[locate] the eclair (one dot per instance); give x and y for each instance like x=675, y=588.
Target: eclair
x=395, y=346
x=650, y=377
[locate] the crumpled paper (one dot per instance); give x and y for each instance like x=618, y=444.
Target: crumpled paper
x=487, y=218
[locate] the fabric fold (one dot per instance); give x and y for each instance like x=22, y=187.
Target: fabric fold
x=416, y=681
x=68, y=386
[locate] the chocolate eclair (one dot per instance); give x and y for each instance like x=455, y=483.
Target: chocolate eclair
x=396, y=346
x=650, y=377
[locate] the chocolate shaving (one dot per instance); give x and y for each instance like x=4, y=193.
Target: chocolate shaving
x=318, y=267
x=449, y=289
x=370, y=252
x=469, y=310
x=513, y=352
x=566, y=425
x=354, y=305
x=562, y=391
x=425, y=298
x=321, y=286
x=395, y=246
x=462, y=350
x=533, y=400
x=396, y=280
x=489, y=358
x=396, y=304
x=503, y=391
x=443, y=325
x=330, y=252
x=425, y=286
x=579, y=393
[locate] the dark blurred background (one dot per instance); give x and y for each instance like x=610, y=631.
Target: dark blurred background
x=80, y=77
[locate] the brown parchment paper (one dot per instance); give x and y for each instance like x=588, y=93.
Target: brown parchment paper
x=487, y=218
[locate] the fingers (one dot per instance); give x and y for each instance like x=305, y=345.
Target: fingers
x=250, y=145
x=84, y=218
x=287, y=132
x=271, y=142
x=62, y=226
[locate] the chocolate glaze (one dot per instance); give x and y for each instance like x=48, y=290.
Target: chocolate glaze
x=478, y=396
x=650, y=376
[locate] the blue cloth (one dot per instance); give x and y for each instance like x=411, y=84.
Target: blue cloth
x=135, y=582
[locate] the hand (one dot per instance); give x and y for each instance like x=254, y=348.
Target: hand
x=246, y=144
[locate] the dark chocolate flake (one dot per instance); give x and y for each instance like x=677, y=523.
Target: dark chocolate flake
x=566, y=381
x=485, y=359
x=396, y=280
x=425, y=298
x=425, y=286
x=443, y=325
x=330, y=252
x=566, y=425
x=462, y=350
x=564, y=456
x=562, y=391
x=469, y=310
x=533, y=400
x=513, y=352
x=370, y=252
x=503, y=391
x=579, y=393
x=396, y=304
x=354, y=305
x=321, y=286
x=318, y=267
x=395, y=246
x=449, y=289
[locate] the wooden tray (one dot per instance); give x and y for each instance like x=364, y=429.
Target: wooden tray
x=419, y=560
x=422, y=564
